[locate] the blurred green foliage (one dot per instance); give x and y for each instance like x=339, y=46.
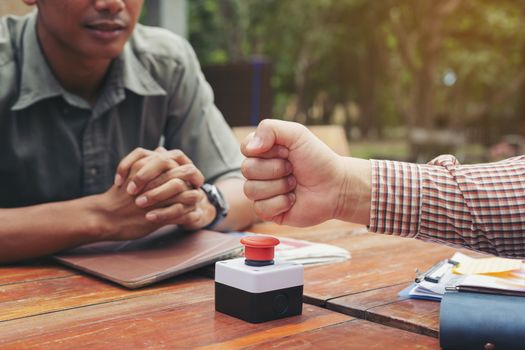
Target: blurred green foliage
x=376, y=65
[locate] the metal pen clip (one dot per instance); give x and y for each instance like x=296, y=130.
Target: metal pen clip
x=435, y=273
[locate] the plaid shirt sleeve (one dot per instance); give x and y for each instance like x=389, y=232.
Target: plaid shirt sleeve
x=480, y=206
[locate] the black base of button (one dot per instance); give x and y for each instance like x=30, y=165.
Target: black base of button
x=258, y=307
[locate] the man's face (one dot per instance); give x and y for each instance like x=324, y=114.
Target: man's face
x=96, y=29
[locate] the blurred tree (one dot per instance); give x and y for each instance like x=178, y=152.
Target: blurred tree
x=378, y=64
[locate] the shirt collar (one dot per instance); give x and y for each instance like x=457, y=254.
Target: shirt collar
x=133, y=76
x=38, y=82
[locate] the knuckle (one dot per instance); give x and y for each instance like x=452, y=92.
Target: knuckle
x=168, y=214
x=192, y=169
x=245, y=168
x=171, y=173
x=161, y=215
x=194, y=216
x=302, y=127
x=176, y=183
x=140, y=178
x=135, y=168
x=195, y=195
x=187, y=170
x=177, y=154
x=177, y=208
x=140, y=151
x=153, y=196
x=165, y=162
x=283, y=185
x=257, y=207
x=190, y=197
x=261, y=210
x=249, y=189
x=288, y=183
x=264, y=122
x=278, y=169
x=140, y=163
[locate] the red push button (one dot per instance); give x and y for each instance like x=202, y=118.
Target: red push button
x=259, y=249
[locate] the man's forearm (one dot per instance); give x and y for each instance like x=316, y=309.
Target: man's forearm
x=47, y=228
x=479, y=206
x=355, y=192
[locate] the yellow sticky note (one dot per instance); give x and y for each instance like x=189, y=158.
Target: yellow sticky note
x=487, y=266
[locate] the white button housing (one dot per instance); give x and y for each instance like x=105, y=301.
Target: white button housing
x=259, y=279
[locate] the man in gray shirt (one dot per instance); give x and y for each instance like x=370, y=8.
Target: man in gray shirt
x=107, y=131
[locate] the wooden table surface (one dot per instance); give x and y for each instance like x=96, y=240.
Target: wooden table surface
x=47, y=306
x=352, y=304
x=367, y=285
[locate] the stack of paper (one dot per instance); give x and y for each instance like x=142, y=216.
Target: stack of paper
x=306, y=252
x=463, y=273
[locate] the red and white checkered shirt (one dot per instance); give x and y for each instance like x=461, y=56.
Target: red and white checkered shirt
x=480, y=206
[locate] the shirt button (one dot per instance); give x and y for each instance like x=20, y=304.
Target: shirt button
x=93, y=171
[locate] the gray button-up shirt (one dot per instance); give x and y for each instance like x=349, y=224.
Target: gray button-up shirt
x=55, y=146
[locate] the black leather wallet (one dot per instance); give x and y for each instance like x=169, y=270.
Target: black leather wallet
x=481, y=321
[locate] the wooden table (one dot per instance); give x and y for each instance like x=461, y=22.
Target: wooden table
x=367, y=285
x=48, y=306
x=352, y=305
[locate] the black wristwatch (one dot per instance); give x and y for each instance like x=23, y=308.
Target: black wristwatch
x=217, y=200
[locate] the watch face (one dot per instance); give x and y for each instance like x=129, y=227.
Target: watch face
x=216, y=198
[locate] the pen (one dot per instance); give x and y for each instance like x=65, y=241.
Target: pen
x=437, y=271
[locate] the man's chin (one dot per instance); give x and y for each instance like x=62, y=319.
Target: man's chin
x=104, y=52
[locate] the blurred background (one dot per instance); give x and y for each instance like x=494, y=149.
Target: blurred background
x=403, y=79
x=406, y=79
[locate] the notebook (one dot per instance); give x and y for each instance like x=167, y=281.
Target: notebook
x=164, y=253
x=463, y=273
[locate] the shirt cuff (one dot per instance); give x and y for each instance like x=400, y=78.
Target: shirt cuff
x=396, y=197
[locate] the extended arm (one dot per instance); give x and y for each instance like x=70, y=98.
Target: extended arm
x=44, y=229
x=295, y=179
x=479, y=206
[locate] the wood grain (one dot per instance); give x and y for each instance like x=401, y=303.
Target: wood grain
x=356, y=334
x=43, y=305
x=32, y=271
x=366, y=286
x=357, y=305
x=183, y=319
x=386, y=307
x=419, y=316
x=377, y=261
x=52, y=295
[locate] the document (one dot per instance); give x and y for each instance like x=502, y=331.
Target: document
x=305, y=252
x=487, y=266
x=464, y=273
x=308, y=253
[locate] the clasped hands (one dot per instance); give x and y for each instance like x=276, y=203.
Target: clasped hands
x=156, y=188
